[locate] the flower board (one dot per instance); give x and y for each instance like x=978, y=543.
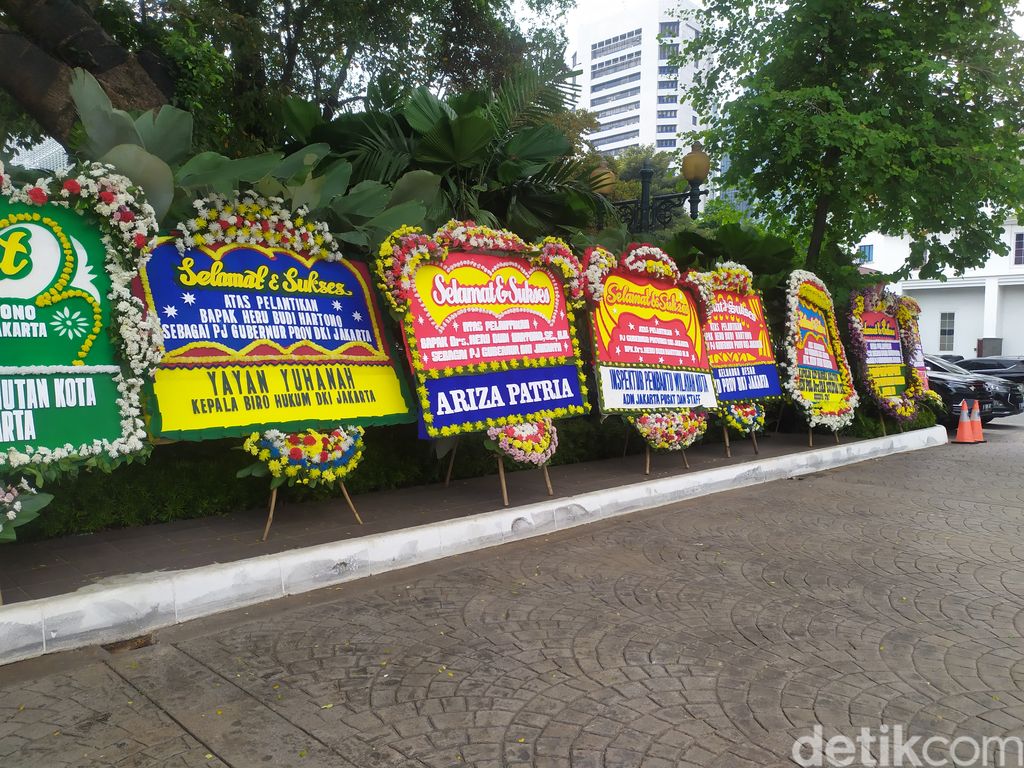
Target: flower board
x=645, y=318
x=739, y=343
x=74, y=347
x=818, y=374
x=489, y=325
x=883, y=362
x=265, y=325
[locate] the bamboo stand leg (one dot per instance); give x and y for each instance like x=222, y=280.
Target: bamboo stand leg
x=351, y=506
x=686, y=461
x=753, y=439
x=778, y=421
x=882, y=419
x=900, y=425
x=725, y=435
x=451, y=463
x=547, y=480
x=810, y=437
x=501, y=476
x=270, y=517
x=647, y=459
x=625, y=446
x=836, y=433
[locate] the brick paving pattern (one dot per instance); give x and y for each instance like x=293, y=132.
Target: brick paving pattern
x=707, y=634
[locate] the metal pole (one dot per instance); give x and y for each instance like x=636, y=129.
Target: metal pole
x=646, y=175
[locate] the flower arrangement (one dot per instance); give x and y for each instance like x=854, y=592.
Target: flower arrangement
x=468, y=235
x=19, y=503
x=305, y=458
x=646, y=259
x=400, y=254
x=128, y=228
x=701, y=290
x=533, y=442
x=907, y=312
x=671, y=430
x=408, y=248
x=744, y=418
x=730, y=277
x=806, y=286
x=555, y=253
x=598, y=263
x=247, y=218
x=901, y=407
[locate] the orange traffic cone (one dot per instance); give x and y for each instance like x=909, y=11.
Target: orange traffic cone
x=964, y=430
x=979, y=436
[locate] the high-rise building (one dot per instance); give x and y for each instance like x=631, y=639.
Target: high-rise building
x=627, y=80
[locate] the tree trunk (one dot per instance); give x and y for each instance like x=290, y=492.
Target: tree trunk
x=822, y=207
x=821, y=210
x=38, y=82
x=60, y=35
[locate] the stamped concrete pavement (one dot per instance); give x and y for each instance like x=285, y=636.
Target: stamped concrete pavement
x=711, y=633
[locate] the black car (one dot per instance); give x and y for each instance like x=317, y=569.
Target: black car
x=1009, y=368
x=955, y=384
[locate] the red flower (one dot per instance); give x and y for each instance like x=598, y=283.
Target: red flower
x=309, y=440
x=279, y=226
x=72, y=186
x=324, y=456
x=293, y=439
x=140, y=241
x=107, y=196
x=265, y=225
x=223, y=224
x=126, y=215
x=37, y=195
x=295, y=453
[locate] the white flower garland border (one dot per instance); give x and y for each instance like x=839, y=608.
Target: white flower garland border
x=129, y=228
x=833, y=421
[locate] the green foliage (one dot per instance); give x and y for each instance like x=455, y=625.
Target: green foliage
x=841, y=119
x=626, y=167
x=501, y=156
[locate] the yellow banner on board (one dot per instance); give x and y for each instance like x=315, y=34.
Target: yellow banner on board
x=236, y=395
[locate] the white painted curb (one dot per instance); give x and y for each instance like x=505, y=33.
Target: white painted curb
x=133, y=605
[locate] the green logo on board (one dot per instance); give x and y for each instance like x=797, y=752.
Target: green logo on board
x=15, y=253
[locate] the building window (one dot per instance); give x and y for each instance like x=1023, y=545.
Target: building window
x=615, y=83
x=667, y=143
x=667, y=85
x=668, y=100
x=667, y=112
x=946, y=324
x=615, y=138
x=615, y=96
x=693, y=119
x=668, y=70
x=669, y=29
x=865, y=254
x=1018, y=248
x=619, y=123
x=618, y=64
x=615, y=44
x=630, y=107
x=668, y=50
x=667, y=128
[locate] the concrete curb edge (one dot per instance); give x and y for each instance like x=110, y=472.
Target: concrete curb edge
x=133, y=605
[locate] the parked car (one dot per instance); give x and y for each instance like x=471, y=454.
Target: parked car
x=951, y=358
x=1009, y=368
x=1007, y=398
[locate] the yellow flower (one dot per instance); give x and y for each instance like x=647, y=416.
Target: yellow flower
x=291, y=470
x=264, y=454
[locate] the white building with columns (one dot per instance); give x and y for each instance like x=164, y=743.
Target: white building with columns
x=984, y=303
x=623, y=48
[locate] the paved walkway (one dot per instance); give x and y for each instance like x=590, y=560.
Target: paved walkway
x=708, y=634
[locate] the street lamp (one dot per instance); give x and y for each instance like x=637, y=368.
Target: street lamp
x=696, y=165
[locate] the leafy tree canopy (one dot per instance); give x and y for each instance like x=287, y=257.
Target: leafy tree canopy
x=627, y=164
x=841, y=118
x=232, y=62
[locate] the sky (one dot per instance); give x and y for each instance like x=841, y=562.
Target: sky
x=585, y=8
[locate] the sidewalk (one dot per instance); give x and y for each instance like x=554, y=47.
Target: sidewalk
x=58, y=566
x=213, y=566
